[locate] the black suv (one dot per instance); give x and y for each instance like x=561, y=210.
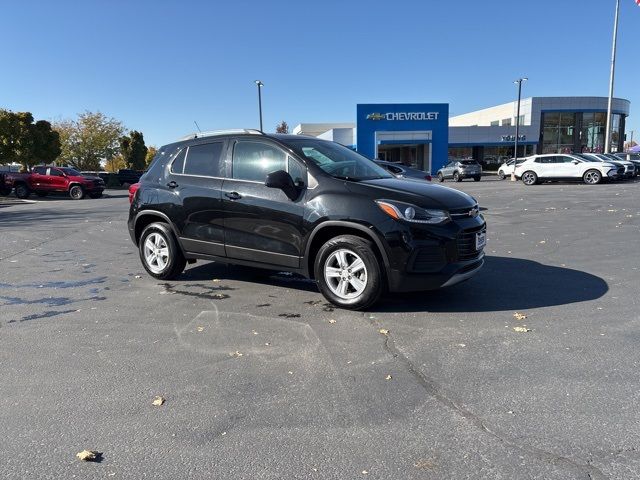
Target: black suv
x=305, y=205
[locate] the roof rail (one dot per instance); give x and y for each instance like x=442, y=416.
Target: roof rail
x=213, y=133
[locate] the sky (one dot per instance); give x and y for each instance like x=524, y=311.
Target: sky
x=160, y=65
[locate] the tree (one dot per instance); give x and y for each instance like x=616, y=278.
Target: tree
x=133, y=150
x=151, y=152
x=90, y=140
x=115, y=163
x=24, y=142
x=282, y=127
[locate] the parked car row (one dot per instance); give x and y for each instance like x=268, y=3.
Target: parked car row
x=588, y=168
x=44, y=180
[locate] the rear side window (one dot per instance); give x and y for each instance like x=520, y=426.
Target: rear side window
x=468, y=162
x=204, y=160
x=254, y=160
x=178, y=163
x=55, y=172
x=40, y=170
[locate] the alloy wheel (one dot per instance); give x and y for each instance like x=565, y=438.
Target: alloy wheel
x=529, y=178
x=345, y=274
x=592, y=177
x=156, y=252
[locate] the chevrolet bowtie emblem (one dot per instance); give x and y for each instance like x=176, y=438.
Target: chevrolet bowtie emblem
x=474, y=212
x=376, y=116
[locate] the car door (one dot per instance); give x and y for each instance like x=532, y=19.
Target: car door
x=195, y=179
x=567, y=167
x=57, y=181
x=262, y=224
x=39, y=179
x=447, y=170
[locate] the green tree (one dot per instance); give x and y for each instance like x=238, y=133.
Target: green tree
x=25, y=142
x=89, y=141
x=282, y=127
x=133, y=150
x=151, y=152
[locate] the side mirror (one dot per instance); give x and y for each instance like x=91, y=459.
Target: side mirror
x=575, y=162
x=282, y=180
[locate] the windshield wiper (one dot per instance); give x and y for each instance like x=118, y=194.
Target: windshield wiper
x=351, y=179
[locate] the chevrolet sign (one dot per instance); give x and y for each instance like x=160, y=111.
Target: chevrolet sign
x=404, y=116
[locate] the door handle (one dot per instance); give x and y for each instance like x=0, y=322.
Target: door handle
x=233, y=195
x=172, y=184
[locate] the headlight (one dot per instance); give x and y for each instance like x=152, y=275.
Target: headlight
x=412, y=213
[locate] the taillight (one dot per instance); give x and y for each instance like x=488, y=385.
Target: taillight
x=132, y=191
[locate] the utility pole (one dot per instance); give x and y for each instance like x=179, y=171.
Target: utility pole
x=607, y=139
x=515, y=149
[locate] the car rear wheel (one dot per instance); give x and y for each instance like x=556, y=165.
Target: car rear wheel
x=440, y=177
x=159, y=252
x=456, y=177
x=592, y=177
x=529, y=178
x=22, y=191
x=76, y=192
x=348, y=272
x=501, y=175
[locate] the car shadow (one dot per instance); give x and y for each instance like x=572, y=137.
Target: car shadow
x=503, y=284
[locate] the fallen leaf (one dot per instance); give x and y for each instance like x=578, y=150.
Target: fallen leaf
x=88, y=455
x=216, y=280
x=267, y=344
x=263, y=305
x=157, y=401
x=254, y=332
x=542, y=242
x=137, y=276
x=235, y=354
x=522, y=329
x=314, y=302
x=388, y=377
x=383, y=331
x=423, y=463
x=289, y=315
x=364, y=472
x=200, y=329
x=519, y=316
x=290, y=372
x=332, y=321
x=462, y=345
x=219, y=296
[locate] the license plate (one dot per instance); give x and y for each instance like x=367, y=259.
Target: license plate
x=481, y=240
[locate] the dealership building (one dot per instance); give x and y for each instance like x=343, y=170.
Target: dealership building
x=424, y=136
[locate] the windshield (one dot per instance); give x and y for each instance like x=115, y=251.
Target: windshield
x=336, y=160
x=586, y=158
x=70, y=171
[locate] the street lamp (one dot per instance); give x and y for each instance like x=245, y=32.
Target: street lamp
x=515, y=150
x=607, y=142
x=259, y=84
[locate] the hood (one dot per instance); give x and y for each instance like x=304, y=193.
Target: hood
x=422, y=194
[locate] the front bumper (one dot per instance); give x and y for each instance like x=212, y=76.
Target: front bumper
x=428, y=259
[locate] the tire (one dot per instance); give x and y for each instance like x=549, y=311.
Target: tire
x=476, y=179
x=76, y=192
x=157, y=237
x=96, y=195
x=456, y=177
x=592, y=177
x=440, y=177
x=529, y=178
x=42, y=194
x=501, y=175
x=22, y=191
x=349, y=250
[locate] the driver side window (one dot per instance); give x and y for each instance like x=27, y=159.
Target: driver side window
x=255, y=160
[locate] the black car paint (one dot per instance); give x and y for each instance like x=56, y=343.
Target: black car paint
x=260, y=226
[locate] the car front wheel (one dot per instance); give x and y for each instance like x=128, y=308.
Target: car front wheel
x=76, y=192
x=22, y=191
x=501, y=175
x=348, y=272
x=456, y=177
x=159, y=252
x=440, y=177
x=529, y=178
x=592, y=177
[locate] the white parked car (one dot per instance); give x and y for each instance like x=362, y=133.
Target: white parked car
x=506, y=169
x=629, y=168
x=541, y=168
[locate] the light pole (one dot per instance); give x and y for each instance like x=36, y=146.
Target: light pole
x=607, y=138
x=259, y=84
x=515, y=149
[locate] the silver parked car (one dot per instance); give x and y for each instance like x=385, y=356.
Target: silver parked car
x=460, y=169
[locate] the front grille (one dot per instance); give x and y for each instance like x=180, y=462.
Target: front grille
x=467, y=243
x=463, y=212
x=428, y=260
x=621, y=171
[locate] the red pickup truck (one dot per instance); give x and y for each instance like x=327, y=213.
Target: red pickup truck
x=44, y=180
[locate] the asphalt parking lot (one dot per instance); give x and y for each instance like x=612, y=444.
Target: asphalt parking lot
x=263, y=379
